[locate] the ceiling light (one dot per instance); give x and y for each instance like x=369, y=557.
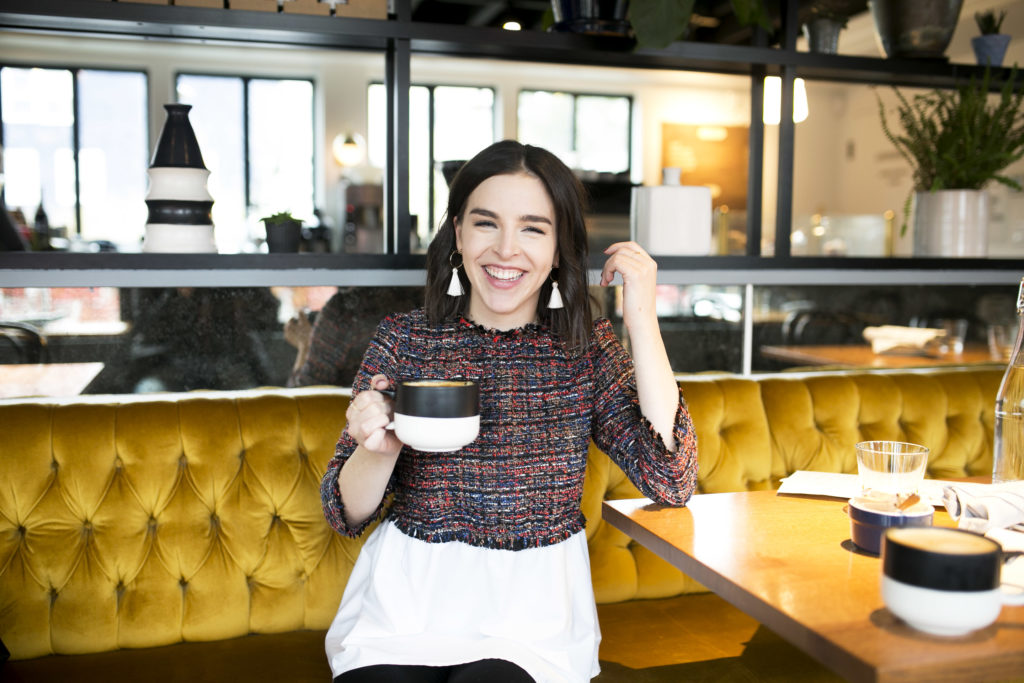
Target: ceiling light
x=512, y=25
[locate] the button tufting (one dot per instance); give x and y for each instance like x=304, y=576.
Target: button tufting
x=22, y=530
x=183, y=583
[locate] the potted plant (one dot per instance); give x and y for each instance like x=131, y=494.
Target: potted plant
x=915, y=28
x=956, y=141
x=284, y=232
x=822, y=20
x=657, y=23
x=990, y=46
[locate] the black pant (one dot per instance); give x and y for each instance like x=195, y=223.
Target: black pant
x=482, y=671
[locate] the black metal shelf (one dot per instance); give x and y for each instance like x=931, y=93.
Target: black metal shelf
x=128, y=19
x=397, y=39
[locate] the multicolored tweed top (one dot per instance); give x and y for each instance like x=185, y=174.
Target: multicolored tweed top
x=520, y=483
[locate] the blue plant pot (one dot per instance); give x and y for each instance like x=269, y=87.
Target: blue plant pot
x=991, y=49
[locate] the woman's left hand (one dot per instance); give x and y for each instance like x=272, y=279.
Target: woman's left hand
x=639, y=274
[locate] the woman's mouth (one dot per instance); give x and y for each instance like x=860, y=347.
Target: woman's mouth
x=503, y=275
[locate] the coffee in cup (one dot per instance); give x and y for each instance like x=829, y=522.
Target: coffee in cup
x=436, y=415
x=943, y=581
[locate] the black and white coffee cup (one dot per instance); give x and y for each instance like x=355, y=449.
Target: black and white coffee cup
x=943, y=581
x=436, y=415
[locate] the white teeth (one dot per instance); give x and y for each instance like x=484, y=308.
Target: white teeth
x=503, y=274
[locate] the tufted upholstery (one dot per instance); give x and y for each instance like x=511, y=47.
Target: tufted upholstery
x=132, y=523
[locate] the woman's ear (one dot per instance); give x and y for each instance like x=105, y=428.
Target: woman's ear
x=458, y=233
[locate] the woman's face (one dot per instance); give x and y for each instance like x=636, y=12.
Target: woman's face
x=508, y=242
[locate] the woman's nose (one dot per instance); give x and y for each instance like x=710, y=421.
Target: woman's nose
x=508, y=243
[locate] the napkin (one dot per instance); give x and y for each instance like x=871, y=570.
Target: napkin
x=980, y=508
x=899, y=339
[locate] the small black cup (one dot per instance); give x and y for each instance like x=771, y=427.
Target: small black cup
x=943, y=581
x=436, y=415
x=438, y=398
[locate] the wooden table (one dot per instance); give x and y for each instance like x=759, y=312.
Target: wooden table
x=788, y=562
x=46, y=379
x=861, y=355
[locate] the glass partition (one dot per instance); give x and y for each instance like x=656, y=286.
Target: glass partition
x=183, y=339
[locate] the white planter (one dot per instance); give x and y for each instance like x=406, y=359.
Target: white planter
x=951, y=223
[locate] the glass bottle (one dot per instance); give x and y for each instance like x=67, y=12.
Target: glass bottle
x=1008, y=444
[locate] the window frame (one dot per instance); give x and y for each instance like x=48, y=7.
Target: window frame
x=432, y=161
x=76, y=132
x=246, y=79
x=576, y=95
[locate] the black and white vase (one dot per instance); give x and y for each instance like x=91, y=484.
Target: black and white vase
x=180, y=206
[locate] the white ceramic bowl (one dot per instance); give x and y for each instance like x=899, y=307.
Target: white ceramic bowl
x=939, y=612
x=436, y=434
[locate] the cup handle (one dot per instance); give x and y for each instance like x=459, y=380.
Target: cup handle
x=1012, y=594
x=390, y=393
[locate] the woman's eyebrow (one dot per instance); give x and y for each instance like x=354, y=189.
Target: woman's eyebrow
x=527, y=218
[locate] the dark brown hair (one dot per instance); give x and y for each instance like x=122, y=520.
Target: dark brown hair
x=573, y=322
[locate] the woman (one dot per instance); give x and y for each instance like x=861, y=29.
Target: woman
x=480, y=570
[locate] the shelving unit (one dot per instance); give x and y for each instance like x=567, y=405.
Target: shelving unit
x=398, y=39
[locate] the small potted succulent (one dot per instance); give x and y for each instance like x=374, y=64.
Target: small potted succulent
x=990, y=46
x=284, y=232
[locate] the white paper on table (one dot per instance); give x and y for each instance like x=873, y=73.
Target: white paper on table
x=846, y=486
x=832, y=484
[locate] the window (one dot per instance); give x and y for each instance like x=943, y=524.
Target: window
x=76, y=142
x=446, y=123
x=256, y=137
x=587, y=132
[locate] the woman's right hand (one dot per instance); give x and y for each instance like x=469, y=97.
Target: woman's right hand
x=368, y=416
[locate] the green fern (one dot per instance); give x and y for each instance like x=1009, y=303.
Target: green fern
x=956, y=139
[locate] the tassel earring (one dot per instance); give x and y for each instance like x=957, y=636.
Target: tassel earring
x=556, y=298
x=455, y=286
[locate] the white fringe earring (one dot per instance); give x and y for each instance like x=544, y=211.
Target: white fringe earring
x=556, y=298
x=455, y=286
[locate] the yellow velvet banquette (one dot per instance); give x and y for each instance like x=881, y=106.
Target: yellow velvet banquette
x=132, y=523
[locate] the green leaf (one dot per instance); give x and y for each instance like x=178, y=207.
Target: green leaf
x=750, y=12
x=657, y=23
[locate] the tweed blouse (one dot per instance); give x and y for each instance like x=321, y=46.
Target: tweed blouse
x=520, y=483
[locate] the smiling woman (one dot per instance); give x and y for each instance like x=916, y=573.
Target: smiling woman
x=507, y=254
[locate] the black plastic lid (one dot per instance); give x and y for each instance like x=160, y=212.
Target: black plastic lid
x=930, y=568
x=460, y=399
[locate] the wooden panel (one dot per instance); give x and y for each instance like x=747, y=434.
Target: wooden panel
x=257, y=5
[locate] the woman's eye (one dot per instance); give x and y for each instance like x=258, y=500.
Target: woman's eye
x=484, y=224
x=534, y=229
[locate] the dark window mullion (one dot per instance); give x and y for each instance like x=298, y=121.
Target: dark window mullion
x=75, y=147
x=247, y=162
